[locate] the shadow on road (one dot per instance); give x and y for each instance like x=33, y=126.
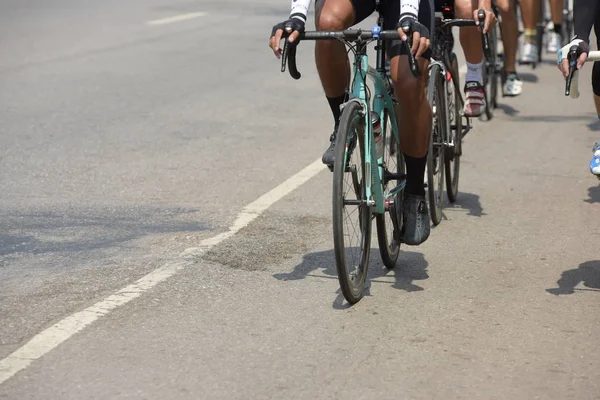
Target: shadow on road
x=528, y=77
x=508, y=110
x=588, y=273
x=410, y=267
x=84, y=230
x=469, y=202
x=594, y=194
x=552, y=118
x=594, y=126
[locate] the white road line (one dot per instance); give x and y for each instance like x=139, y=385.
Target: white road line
x=462, y=70
x=176, y=18
x=52, y=337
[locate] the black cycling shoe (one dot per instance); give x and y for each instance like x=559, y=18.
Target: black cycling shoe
x=417, y=224
x=329, y=155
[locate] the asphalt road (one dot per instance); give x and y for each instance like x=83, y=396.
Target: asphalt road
x=134, y=131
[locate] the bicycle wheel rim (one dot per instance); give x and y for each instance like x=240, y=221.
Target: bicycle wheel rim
x=388, y=237
x=435, y=156
x=352, y=239
x=452, y=159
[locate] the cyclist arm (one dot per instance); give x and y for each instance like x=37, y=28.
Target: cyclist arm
x=300, y=9
x=295, y=22
x=585, y=14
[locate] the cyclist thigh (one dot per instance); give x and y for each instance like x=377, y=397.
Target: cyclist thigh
x=341, y=14
x=505, y=6
x=391, y=15
x=465, y=8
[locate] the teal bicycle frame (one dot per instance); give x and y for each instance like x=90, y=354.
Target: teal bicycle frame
x=382, y=102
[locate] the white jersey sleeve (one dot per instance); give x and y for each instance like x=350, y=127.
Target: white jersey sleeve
x=300, y=9
x=409, y=7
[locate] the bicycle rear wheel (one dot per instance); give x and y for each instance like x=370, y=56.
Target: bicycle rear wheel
x=352, y=220
x=435, y=156
x=490, y=75
x=389, y=224
x=453, y=151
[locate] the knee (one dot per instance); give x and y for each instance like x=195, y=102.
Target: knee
x=463, y=9
x=328, y=21
x=505, y=7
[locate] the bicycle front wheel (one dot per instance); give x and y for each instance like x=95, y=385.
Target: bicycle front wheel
x=453, y=151
x=435, y=157
x=490, y=76
x=352, y=217
x=389, y=224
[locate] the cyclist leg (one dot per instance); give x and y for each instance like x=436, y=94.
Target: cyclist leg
x=513, y=86
x=555, y=37
x=530, y=10
x=415, y=123
x=470, y=40
x=331, y=58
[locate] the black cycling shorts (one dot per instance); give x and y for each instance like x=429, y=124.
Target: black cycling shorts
x=390, y=10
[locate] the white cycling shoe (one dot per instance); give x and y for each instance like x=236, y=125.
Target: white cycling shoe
x=513, y=85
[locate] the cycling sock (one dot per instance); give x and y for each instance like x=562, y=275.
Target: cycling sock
x=474, y=73
x=335, y=103
x=530, y=35
x=415, y=174
x=557, y=28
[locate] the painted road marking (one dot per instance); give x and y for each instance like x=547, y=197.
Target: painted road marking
x=47, y=340
x=177, y=18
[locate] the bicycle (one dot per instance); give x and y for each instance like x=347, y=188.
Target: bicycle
x=444, y=95
x=368, y=189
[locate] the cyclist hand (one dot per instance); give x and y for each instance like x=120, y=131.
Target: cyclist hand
x=490, y=19
x=420, y=34
x=563, y=60
x=293, y=27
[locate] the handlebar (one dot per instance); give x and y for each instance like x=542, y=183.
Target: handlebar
x=360, y=35
x=348, y=35
x=572, y=82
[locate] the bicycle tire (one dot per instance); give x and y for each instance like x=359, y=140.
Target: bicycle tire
x=490, y=78
x=389, y=246
x=349, y=139
x=435, y=156
x=452, y=156
x=494, y=67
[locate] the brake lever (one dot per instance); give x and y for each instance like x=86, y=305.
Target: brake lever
x=414, y=67
x=284, y=56
x=486, y=41
x=572, y=57
x=289, y=55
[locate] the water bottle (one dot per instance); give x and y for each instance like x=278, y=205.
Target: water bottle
x=376, y=124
